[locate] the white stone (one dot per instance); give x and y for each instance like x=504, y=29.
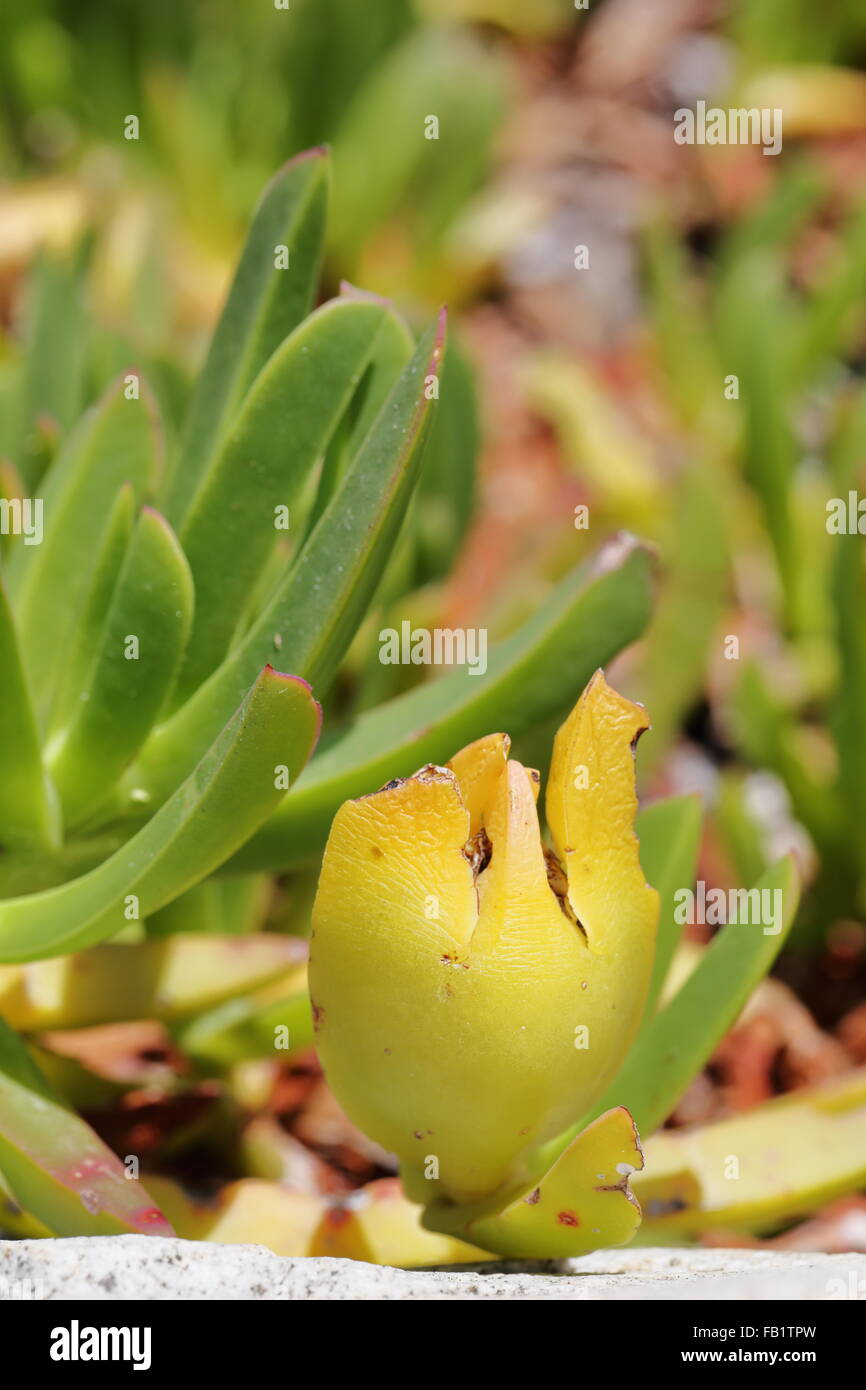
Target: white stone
x=147, y=1267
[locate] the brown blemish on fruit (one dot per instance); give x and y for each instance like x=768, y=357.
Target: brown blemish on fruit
x=558, y=881
x=534, y=1197
x=621, y=1186
x=388, y=787
x=433, y=773
x=376, y=852
x=568, y=1218
x=478, y=851
x=634, y=743
x=318, y=1014
x=625, y=1171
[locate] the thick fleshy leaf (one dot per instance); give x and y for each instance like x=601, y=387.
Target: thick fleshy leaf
x=739, y=832
x=615, y=460
x=847, y=587
x=679, y=1040
x=261, y=464
x=591, y=615
x=830, y=319
x=54, y=339
x=757, y=1170
x=246, y=1212
x=758, y=323
x=392, y=350
x=767, y=733
x=54, y=1164
x=379, y=1225
x=583, y=1202
x=446, y=498
x=682, y=336
x=314, y=613
x=248, y=1028
x=166, y=980
x=75, y=1084
x=693, y=599
x=779, y=219
x=28, y=803
x=669, y=834
x=265, y=304
x=237, y=784
x=439, y=70
x=117, y=441
x=94, y=610
x=222, y=906
x=12, y=489
x=134, y=664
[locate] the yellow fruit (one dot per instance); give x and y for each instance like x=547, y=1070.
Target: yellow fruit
x=474, y=992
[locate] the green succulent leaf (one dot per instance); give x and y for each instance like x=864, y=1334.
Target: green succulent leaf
x=238, y=783
x=446, y=496
x=693, y=598
x=391, y=351
x=682, y=334
x=152, y=608
x=846, y=714
x=265, y=457
x=244, y=1029
x=799, y=1151
x=167, y=980
x=581, y=1202
x=29, y=813
x=758, y=323
x=735, y=823
x=831, y=316
x=117, y=441
x=681, y=1037
x=265, y=304
x=52, y=385
x=90, y=625
x=767, y=732
x=223, y=906
x=54, y=1165
x=590, y=616
x=314, y=613
x=446, y=72
x=669, y=832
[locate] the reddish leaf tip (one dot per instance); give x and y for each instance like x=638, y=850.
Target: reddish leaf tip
x=269, y=670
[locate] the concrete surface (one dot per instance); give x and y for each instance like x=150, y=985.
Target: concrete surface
x=143, y=1267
